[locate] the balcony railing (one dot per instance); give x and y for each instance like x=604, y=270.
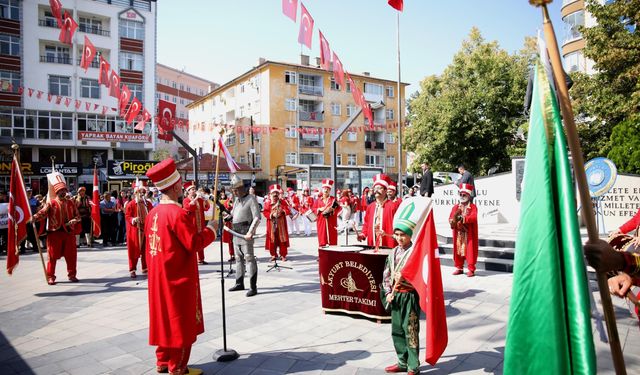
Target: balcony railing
x=90, y=29
x=55, y=59
x=93, y=64
x=369, y=145
x=47, y=22
x=309, y=143
x=310, y=90
x=311, y=116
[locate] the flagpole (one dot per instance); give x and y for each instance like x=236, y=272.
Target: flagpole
x=581, y=179
x=223, y=355
x=400, y=179
x=16, y=155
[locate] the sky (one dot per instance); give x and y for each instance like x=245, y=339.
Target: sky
x=221, y=39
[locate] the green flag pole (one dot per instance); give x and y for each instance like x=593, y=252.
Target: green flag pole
x=581, y=179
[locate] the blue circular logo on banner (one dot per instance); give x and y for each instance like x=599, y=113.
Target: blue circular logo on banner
x=601, y=176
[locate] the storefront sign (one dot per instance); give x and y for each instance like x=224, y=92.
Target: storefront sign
x=128, y=169
x=41, y=169
x=113, y=137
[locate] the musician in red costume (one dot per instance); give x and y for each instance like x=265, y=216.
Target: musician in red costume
x=276, y=210
x=464, y=223
x=197, y=204
x=392, y=193
x=62, y=227
x=306, y=204
x=135, y=214
x=327, y=209
x=175, y=305
x=378, y=220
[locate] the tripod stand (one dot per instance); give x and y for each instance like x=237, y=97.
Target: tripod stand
x=276, y=266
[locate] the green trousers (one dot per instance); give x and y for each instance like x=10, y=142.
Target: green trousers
x=405, y=326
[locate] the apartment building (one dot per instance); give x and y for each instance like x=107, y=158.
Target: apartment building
x=181, y=88
x=62, y=111
x=282, y=115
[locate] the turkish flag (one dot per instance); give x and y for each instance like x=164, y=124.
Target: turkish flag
x=56, y=10
x=88, y=54
x=67, y=101
x=306, y=27
x=19, y=214
x=355, y=92
x=422, y=270
x=290, y=8
x=167, y=114
x=397, y=4
x=368, y=114
x=145, y=117
x=325, y=52
x=114, y=84
x=103, y=76
x=165, y=136
x=133, y=111
x=338, y=70
x=67, y=30
x=78, y=103
x=95, y=205
x=125, y=96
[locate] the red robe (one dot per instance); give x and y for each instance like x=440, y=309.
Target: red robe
x=226, y=236
x=389, y=209
x=135, y=233
x=467, y=230
x=632, y=224
x=281, y=237
x=175, y=305
x=326, y=224
x=198, y=210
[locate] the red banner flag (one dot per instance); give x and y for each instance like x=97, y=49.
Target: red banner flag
x=19, y=215
x=114, y=84
x=104, y=109
x=325, y=53
x=95, y=205
x=145, y=117
x=397, y=4
x=87, y=105
x=306, y=27
x=67, y=101
x=133, y=111
x=103, y=76
x=56, y=10
x=166, y=112
x=69, y=26
x=78, y=104
x=422, y=270
x=125, y=96
x=88, y=54
x=30, y=90
x=290, y=8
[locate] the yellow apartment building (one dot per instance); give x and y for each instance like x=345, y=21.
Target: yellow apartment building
x=280, y=117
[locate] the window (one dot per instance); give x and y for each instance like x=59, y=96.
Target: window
x=9, y=45
x=290, y=104
x=166, y=97
x=348, y=86
x=390, y=91
x=391, y=138
x=231, y=139
x=12, y=77
x=311, y=137
x=59, y=85
x=352, y=159
x=136, y=91
x=56, y=54
x=290, y=77
x=290, y=131
x=182, y=101
x=242, y=89
x=350, y=109
x=175, y=100
x=334, y=84
x=181, y=114
x=89, y=88
x=373, y=160
x=389, y=114
x=352, y=136
x=335, y=109
x=9, y=9
x=391, y=161
x=372, y=88
x=290, y=158
x=241, y=111
x=339, y=159
x=131, y=61
x=92, y=26
x=242, y=137
x=574, y=61
x=131, y=29
x=258, y=161
x=174, y=85
x=49, y=20
x=311, y=158
x=243, y=159
x=572, y=23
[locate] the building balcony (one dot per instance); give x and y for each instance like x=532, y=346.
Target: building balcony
x=89, y=29
x=310, y=90
x=55, y=59
x=311, y=116
x=93, y=64
x=48, y=22
x=309, y=143
x=369, y=145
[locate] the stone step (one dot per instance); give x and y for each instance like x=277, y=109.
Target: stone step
x=497, y=242
x=484, y=251
x=487, y=264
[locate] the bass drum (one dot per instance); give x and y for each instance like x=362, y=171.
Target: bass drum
x=624, y=243
x=311, y=216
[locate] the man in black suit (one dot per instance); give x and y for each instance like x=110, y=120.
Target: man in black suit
x=466, y=178
x=426, y=185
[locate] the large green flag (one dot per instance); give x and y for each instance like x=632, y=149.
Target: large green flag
x=549, y=329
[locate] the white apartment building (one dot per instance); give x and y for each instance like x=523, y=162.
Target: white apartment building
x=31, y=56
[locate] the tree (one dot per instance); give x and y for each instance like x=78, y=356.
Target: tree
x=471, y=113
x=611, y=97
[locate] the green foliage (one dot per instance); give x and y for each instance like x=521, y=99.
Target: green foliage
x=160, y=154
x=471, y=113
x=625, y=149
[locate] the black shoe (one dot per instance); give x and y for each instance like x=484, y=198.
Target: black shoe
x=252, y=292
x=236, y=287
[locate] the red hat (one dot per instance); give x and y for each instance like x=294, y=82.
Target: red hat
x=393, y=186
x=466, y=188
x=187, y=185
x=289, y=189
x=164, y=174
x=275, y=188
x=327, y=182
x=56, y=179
x=381, y=179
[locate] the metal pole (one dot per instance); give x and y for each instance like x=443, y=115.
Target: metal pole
x=253, y=154
x=400, y=174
